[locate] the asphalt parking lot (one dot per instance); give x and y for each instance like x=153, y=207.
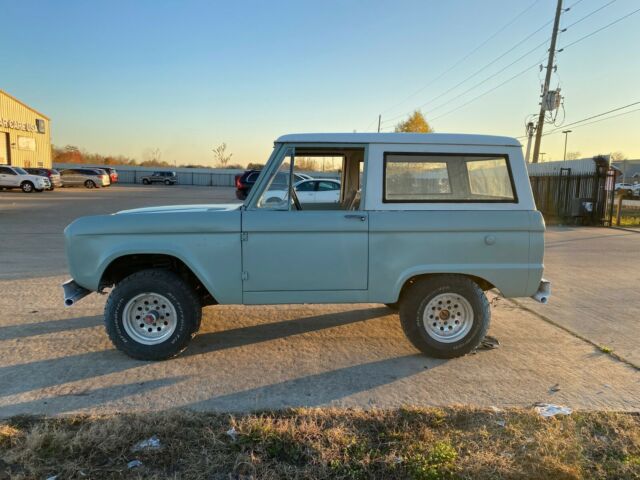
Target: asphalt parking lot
x=55, y=360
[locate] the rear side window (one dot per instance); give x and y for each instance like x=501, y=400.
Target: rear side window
x=410, y=177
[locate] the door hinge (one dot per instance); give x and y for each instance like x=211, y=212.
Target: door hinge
x=245, y=275
x=244, y=236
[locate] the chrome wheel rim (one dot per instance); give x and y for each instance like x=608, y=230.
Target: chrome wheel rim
x=27, y=187
x=149, y=318
x=448, y=317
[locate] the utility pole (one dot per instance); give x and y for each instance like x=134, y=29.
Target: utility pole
x=547, y=80
x=530, y=130
x=379, y=121
x=566, y=137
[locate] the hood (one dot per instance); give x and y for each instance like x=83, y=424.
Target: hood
x=183, y=208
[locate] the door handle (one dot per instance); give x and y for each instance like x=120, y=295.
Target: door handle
x=362, y=218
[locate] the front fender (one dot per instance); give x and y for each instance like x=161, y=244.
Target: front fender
x=206, y=242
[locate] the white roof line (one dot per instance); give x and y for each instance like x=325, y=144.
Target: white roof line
x=401, y=138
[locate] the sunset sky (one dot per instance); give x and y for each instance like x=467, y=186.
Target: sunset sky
x=120, y=77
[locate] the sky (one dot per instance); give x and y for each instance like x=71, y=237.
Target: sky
x=124, y=77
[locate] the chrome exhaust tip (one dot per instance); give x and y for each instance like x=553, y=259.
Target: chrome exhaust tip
x=543, y=293
x=73, y=293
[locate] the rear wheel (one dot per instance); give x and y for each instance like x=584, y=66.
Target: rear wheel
x=445, y=316
x=145, y=181
x=167, y=182
x=90, y=184
x=27, y=187
x=152, y=315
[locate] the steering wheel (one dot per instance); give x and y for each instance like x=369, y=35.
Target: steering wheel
x=296, y=202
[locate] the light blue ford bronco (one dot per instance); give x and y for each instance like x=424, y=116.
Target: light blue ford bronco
x=426, y=223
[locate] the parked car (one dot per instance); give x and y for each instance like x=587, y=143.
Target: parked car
x=245, y=181
x=113, y=174
x=53, y=175
x=433, y=222
x=16, y=177
x=624, y=187
x=319, y=192
x=168, y=178
x=87, y=177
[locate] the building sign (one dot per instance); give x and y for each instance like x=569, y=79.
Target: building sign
x=26, y=143
x=25, y=127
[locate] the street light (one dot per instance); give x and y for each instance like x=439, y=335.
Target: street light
x=542, y=154
x=566, y=137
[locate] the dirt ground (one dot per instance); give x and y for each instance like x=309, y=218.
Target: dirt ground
x=57, y=361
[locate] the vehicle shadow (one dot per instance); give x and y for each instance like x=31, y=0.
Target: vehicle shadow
x=238, y=337
x=87, y=398
x=24, y=330
x=325, y=388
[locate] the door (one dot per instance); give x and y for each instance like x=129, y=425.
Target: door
x=328, y=192
x=298, y=254
x=4, y=148
x=289, y=251
x=8, y=177
x=306, y=191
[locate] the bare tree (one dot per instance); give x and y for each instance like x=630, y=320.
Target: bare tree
x=573, y=155
x=618, y=156
x=220, y=155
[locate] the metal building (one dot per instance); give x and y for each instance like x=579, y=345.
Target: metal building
x=25, y=139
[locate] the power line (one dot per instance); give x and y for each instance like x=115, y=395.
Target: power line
x=490, y=76
x=589, y=14
x=596, y=121
x=488, y=91
x=600, y=29
x=594, y=116
x=491, y=37
x=475, y=73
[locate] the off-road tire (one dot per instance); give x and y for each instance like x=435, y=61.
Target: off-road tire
x=90, y=184
x=27, y=187
x=176, y=290
x=414, y=301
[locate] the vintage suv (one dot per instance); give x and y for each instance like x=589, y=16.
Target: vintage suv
x=426, y=223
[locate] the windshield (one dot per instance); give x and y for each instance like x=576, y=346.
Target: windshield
x=20, y=171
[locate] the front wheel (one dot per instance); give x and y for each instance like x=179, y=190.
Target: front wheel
x=167, y=182
x=445, y=316
x=152, y=315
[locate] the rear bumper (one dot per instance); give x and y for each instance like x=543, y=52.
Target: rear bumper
x=543, y=293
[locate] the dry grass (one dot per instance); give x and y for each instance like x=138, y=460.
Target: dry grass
x=324, y=443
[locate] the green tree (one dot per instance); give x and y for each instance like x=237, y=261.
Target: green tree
x=416, y=123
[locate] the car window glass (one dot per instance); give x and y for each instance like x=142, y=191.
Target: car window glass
x=6, y=171
x=21, y=171
x=276, y=194
x=252, y=177
x=324, y=186
x=306, y=187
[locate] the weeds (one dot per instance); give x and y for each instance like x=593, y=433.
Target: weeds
x=407, y=443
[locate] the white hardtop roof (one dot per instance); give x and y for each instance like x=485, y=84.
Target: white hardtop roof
x=406, y=138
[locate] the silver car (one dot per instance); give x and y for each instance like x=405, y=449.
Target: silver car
x=87, y=177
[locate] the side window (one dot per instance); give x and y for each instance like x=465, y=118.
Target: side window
x=326, y=186
x=276, y=194
x=489, y=179
x=6, y=171
x=432, y=177
x=252, y=177
x=306, y=187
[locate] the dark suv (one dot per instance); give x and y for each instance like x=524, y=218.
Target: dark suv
x=52, y=174
x=168, y=178
x=245, y=181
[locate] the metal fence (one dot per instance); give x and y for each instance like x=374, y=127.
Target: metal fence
x=580, y=193
x=208, y=177
x=204, y=177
